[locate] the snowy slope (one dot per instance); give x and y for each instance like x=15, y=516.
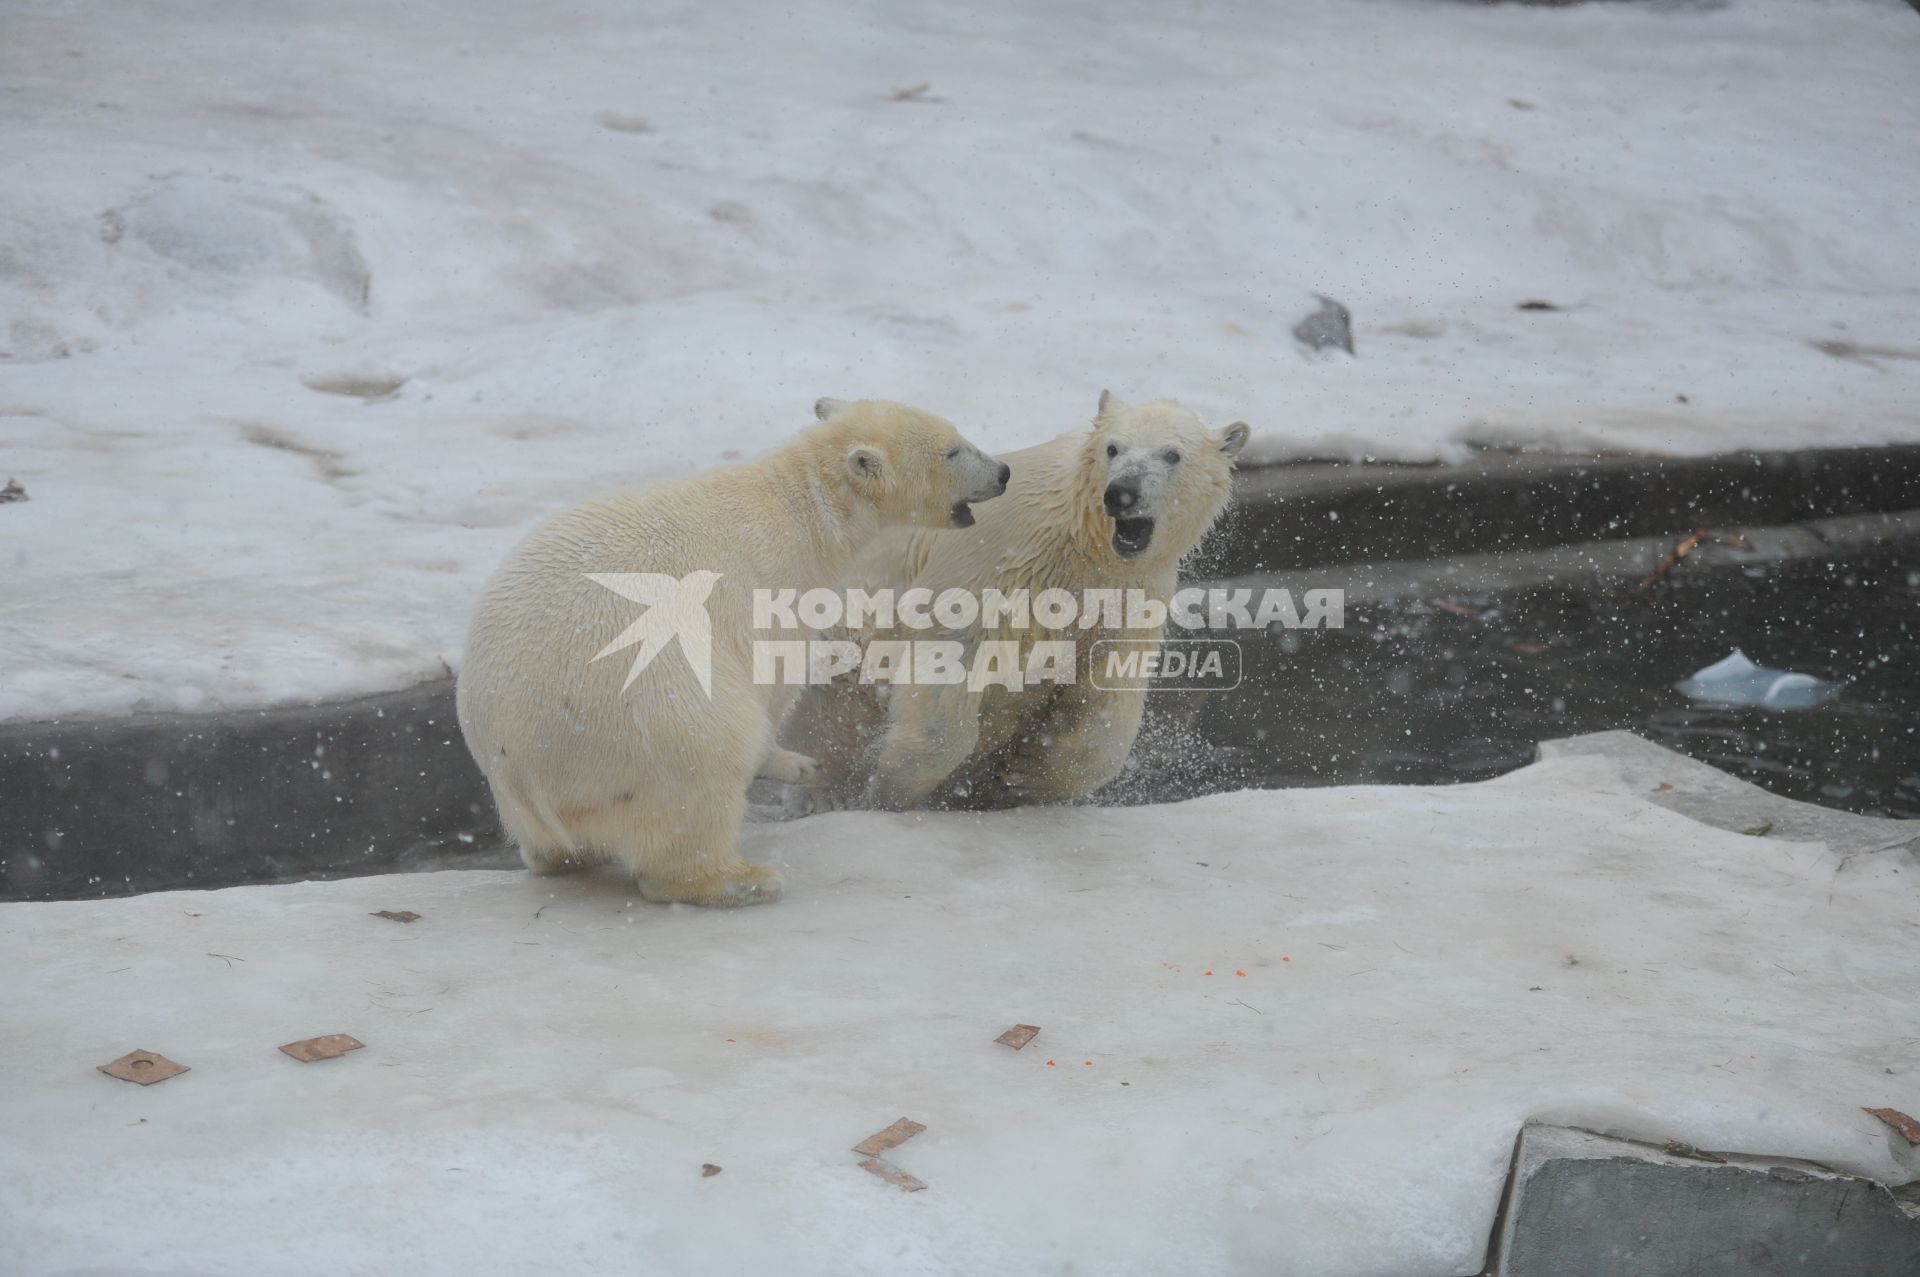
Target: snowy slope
x=306, y=312
x=549, y=1063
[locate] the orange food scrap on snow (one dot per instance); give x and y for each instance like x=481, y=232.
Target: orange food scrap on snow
x=1241, y=974
x=1049, y=1063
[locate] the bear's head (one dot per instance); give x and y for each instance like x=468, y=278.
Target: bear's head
x=911, y=466
x=1156, y=476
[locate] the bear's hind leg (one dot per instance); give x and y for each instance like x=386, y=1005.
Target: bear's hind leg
x=546, y=846
x=728, y=888
x=548, y=862
x=701, y=863
x=686, y=848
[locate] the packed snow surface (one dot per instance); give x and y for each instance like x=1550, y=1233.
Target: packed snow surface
x=308, y=311
x=1281, y=1033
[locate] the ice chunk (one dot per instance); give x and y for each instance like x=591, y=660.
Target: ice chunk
x=1736, y=680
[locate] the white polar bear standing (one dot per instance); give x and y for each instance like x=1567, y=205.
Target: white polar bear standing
x=594, y=760
x=1114, y=508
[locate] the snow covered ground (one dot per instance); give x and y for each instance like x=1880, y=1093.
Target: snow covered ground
x=1284, y=1032
x=308, y=311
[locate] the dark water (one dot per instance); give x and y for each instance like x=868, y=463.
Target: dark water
x=1461, y=688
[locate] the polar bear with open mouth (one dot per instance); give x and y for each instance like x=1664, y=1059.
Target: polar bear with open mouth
x=1116, y=507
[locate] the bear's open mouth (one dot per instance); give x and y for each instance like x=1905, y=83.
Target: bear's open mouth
x=962, y=515
x=1131, y=537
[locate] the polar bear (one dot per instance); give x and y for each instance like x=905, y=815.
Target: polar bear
x=1113, y=508
x=652, y=771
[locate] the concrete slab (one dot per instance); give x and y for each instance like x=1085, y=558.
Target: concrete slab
x=1582, y=1204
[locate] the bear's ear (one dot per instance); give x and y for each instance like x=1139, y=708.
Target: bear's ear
x=1107, y=403
x=825, y=408
x=1234, y=438
x=865, y=464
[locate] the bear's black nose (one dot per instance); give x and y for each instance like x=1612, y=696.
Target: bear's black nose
x=1006, y=473
x=1121, y=497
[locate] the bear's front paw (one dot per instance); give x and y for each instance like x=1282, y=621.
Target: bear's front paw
x=796, y=802
x=789, y=767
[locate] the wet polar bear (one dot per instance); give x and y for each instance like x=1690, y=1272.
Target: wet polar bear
x=585, y=768
x=1114, y=508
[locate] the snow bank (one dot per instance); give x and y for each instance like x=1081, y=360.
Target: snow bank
x=309, y=312
x=549, y=1063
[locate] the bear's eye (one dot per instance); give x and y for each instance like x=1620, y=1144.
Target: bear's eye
x=1113, y=450
x=953, y=452
x=1172, y=456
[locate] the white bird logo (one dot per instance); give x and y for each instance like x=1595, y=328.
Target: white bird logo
x=676, y=609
